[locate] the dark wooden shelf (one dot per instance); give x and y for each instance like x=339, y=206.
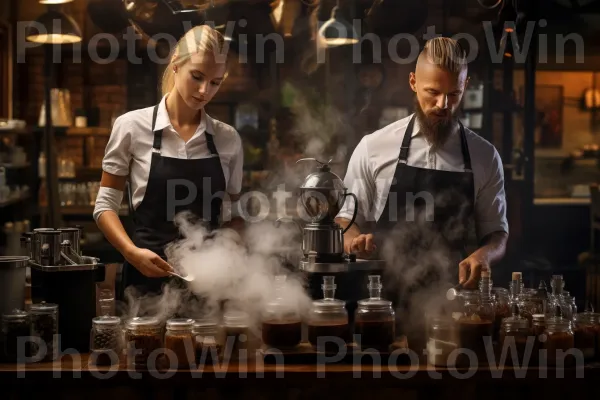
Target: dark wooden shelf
x=13, y=201
x=16, y=166
x=73, y=131
x=24, y=131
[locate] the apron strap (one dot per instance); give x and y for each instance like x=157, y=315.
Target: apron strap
x=465, y=148
x=210, y=142
x=157, y=134
x=403, y=157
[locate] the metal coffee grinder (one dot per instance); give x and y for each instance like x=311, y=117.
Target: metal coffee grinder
x=322, y=195
x=62, y=275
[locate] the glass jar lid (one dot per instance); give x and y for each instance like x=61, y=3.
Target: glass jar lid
x=558, y=324
x=538, y=318
x=44, y=308
x=375, y=304
x=236, y=318
x=587, y=317
x=143, y=322
x=328, y=304
x=204, y=323
x=515, y=322
x=15, y=315
x=180, y=324
x=106, y=321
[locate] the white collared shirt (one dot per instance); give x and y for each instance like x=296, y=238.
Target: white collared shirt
x=373, y=163
x=129, y=149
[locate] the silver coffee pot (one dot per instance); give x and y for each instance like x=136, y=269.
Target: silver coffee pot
x=322, y=195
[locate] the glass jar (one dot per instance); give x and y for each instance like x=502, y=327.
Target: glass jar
x=236, y=332
x=476, y=323
x=328, y=319
x=585, y=334
x=515, y=332
x=144, y=336
x=530, y=304
x=206, y=341
x=375, y=321
x=502, y=300
x=15, y=325
x=559, y=336
x=106, y=340
x=44, y=325
x=442, y=341
x=281, y=325
x=179, y=340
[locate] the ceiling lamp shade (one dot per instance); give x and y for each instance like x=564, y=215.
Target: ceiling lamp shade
x=56, y=28
x=55, y=1
x=337, y=31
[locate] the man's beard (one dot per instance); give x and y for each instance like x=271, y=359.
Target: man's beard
x=436, y=129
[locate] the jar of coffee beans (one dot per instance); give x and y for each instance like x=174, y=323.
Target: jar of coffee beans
x=44, y=327
x=207, y=341
x=106, y=340
x=179, y=343
x=16, y=328
x=143, y=336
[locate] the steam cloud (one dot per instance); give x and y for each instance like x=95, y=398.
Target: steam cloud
x=229, y=274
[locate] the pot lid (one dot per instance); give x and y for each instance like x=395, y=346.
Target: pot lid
x=323, y=178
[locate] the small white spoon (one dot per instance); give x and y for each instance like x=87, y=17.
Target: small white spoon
x=188, y=278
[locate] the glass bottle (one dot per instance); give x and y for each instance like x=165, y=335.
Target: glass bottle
x=502, y=299
x=15, y=325
x=236, y=331
x=281, y=326
x=515, y=328
x=475, y=326
x=442, y=341
x=207, y=341
x=144, y=335
x=556, y=299
x=106, y=340
x=178, y=339
x=328, y=319
x=44, y=325
x=538, y=328
x=585, y=333
x=375, y=318
x=559, y=336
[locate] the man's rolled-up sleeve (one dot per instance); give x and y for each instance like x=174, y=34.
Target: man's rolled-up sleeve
x=490, y=204
x=359, y=180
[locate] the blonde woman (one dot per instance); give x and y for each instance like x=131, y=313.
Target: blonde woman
x=176, y=158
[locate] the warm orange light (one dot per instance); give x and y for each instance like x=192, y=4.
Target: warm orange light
x=509, y=30
x=509, y=55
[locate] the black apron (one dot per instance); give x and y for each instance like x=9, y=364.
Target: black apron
x=170, y=180
x=423, y=231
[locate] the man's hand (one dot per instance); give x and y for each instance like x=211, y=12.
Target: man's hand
x=148, y=263
x=469, y=270
x=362, y=245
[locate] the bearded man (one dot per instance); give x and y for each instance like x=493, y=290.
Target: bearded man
x=424, y=180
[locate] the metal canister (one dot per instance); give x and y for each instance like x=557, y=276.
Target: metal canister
x=49, y=247
x=35, y=243
x=73, y=236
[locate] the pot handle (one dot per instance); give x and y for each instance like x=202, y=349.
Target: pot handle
x=355, y=211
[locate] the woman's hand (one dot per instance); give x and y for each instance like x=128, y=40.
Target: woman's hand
x=148, y=263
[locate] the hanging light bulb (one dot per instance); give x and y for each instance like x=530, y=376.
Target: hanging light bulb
x=337, y=31
x=58, y=28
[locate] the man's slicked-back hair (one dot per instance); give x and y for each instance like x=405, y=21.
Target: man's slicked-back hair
x=446, y=53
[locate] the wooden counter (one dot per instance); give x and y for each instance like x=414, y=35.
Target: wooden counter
x=74, y=378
